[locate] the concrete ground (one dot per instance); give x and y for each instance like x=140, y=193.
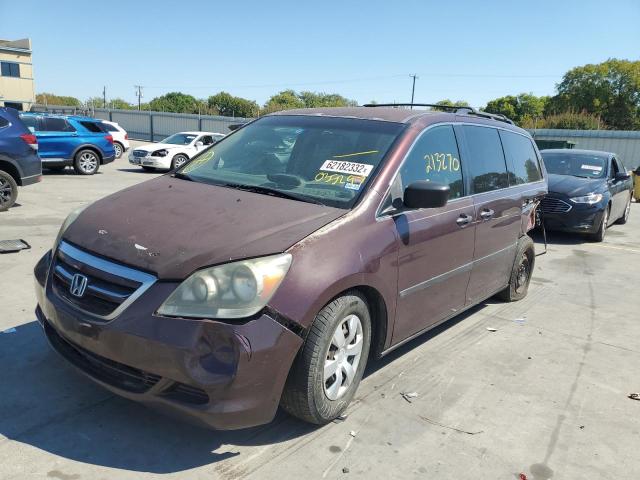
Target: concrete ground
x=544, y=395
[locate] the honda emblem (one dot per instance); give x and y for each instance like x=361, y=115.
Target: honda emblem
x=78, y=285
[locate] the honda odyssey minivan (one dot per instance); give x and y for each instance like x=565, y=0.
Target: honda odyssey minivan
x=271, y=267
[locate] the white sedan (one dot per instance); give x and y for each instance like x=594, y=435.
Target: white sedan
x=173, y=151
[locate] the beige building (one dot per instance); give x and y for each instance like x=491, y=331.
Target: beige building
x=16, y=74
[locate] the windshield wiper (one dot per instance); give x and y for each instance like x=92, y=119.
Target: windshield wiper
x=274, y=192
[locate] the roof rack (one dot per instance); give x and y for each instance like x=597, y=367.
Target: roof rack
x=452, y=108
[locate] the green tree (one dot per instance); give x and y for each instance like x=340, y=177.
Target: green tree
x=175, y=102
x=45, y=98
x=520, y=108
x=568, y=120
x=285, y=100
x=317, y=100
x=449, y=103
x=610, y=90
x=119, y=104
x=230, y=106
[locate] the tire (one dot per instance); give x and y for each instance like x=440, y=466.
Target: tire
x=118, y=148
x=521, y=271
x=625, y=217
x=86, y=162
x=308, y=394
x=179, y=160
x=149, y=169
x=8, y=191
x=602, y=231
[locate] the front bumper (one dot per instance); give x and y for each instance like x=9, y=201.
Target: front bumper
x=582, y=218
x=223, y=375
x=149, y=161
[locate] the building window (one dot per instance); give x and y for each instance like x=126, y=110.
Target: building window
x=17, y=106
x=10, y=69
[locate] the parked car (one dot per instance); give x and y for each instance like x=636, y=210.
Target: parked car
x=588, y=191
x=19, y=161
x=120, y=137
x=174, y=151
x=248, y=279
x=69, y=140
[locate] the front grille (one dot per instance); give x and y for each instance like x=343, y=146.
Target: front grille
x=108, y=371
x=186, y=394
x=139, y=153
x=109, y=286
x=554, y=205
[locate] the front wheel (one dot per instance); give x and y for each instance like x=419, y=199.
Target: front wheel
x=521, y=271
x=178, y=161
x=8, y=191
x=330, y=364
x=86, y=162
x=625, y=218
x=602, y=230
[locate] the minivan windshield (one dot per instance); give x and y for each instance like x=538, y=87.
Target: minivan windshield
x=179, y=139
x=575, y=164
x=326, y=160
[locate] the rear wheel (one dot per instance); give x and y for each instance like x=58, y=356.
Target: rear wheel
x=118, y=148
x=8, y=191
x=330, y=364
x=86, y=162
x=521, y=271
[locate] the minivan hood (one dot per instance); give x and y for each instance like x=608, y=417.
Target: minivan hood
x=574, y=186
x=172, y=227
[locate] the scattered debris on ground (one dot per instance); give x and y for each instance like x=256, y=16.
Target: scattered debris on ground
x=491, y=329
x=345, y=470
x=433, y=422
x=12, y=246
x=353, y=433
x=409, y=395
x=634, y=396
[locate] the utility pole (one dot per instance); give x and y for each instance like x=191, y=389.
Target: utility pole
x=413, y=88
x=104, y=97
x=139, y=93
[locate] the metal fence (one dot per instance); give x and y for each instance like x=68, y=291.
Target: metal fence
x=154, y=126
x=626, y=144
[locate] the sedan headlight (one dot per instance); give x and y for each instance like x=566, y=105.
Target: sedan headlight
x=233, y=290
x=160, y=153
x=588, y=199
x=67, y=223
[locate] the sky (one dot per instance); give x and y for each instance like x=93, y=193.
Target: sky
x=363, y=50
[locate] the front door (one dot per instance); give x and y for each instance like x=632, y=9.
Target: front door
x=618, y=189
x=56, y=138
x=497, y=212
x=435, y=245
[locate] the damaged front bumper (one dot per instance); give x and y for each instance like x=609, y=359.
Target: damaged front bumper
x=221, y=374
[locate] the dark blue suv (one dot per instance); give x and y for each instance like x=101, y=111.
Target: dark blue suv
x=19, y=161
x=80, y=142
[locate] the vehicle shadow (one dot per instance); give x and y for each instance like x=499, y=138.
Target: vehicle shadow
x=558, y=238
x=47, y=404
x=140, y=170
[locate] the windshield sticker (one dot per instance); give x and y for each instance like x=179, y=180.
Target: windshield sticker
x=339, y=166
x=352, y=186
x=441, y=162
x=339, y=179
x=368, y=152
x=595, y=168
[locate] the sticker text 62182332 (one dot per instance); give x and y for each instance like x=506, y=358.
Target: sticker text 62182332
x=362, y=169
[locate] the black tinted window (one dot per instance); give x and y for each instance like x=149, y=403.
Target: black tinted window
x=9, y=69
x=30, y=122
x=92, y=126
x=4, y=122
x=109, y=128
x=486, y=159
x=435, y=158
x=521, y=158
x=53, y=124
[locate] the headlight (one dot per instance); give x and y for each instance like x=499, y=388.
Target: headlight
x=160, y=153
x=589, y=199
x=234, y=290
x=67, y=222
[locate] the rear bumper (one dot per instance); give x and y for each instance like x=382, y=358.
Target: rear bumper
x=223, y=375
x=108, y=159
x=24, y=181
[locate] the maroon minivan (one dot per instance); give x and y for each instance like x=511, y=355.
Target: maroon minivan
x=268, y=269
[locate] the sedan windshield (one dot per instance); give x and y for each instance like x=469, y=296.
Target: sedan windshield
x=179, y=139
x=576, y=164
x=308, y=158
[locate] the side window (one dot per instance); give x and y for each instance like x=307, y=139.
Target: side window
x=93, y=127
x=614, y=168
x=54, y=124
x=521, y=158
x=485, y=159
x=30, y=122
x=109, y=128
x=620, y=166
x=207, y=140
x=4, y=122
x=434, y=158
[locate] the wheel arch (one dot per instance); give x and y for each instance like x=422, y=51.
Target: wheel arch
x=88, y=146
x=12, y=170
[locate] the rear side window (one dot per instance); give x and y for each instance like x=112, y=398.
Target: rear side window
x=485, y=159
x=435, y=158
x=4, y=122
x=53, y=124
x=521, y=158
x=30, y=122
x=92, y=126
x=109, y=128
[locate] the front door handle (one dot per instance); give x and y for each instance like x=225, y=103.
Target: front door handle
x=464, y=219
x=486, y=214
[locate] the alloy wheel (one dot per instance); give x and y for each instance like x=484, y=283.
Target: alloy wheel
x=179, y=161
x=343, y=356
x=6, y=192
x=524, y=271
x=118, y=150
x=88, y=162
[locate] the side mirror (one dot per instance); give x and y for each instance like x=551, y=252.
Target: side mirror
x=423, y=194
x=621, y=176
x=199, y=144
